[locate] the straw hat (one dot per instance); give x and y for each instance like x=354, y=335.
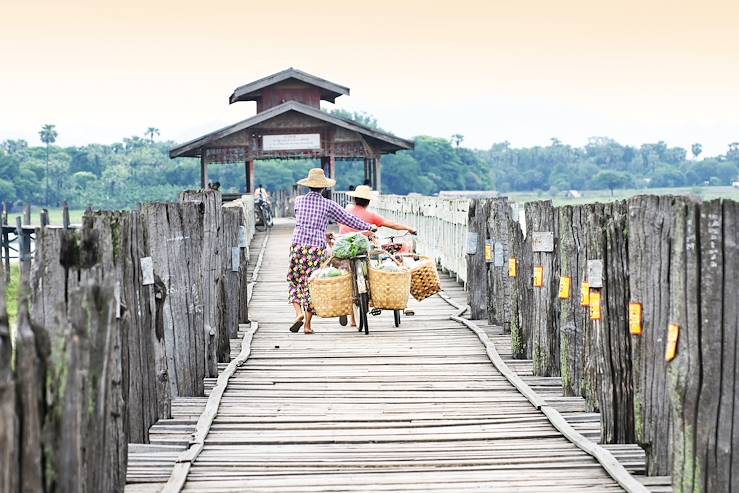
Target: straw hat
x=363, y=192
x=317, y=179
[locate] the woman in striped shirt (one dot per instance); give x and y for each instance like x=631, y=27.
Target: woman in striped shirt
x=308, y=247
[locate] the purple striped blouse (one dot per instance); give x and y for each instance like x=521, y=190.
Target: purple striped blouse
x=312, y=214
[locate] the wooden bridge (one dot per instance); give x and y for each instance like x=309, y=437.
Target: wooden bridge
x=418, y=408
x=457, y=398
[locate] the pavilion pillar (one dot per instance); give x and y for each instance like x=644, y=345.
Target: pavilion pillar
x=249, y=172
x=332, y=167
x=366, y=170
x=378, y=174
x=203, y=170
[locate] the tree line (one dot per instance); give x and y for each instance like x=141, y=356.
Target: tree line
x=138, y=169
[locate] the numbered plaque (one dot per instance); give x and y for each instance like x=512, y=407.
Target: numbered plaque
x=512, y=267
x=595, y=273
x=635, y=319
x=542, y=241
x=472, y=243
x=147, y=271
x=595, y=308
x=498, y=255
x=538, y=276
x=585, y=294
x=565, y=283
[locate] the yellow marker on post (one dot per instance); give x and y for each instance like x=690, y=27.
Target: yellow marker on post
x=538, y=276
x=585, y=294
x=673, y=333
x=595, y=309
x=635, y=319
x=512, y=267
x=564, y=287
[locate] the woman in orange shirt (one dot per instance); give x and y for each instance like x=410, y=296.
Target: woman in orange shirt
x=362, y=197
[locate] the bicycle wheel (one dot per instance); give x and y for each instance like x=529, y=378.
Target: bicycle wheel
x=396, y=316
x=363, y=310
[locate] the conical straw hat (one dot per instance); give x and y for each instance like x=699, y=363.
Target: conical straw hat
x=317, y=179
x=363, y=192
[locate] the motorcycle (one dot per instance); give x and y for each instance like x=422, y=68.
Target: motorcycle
x=264, y=215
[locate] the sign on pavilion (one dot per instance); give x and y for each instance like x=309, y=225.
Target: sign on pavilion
x=290, y=124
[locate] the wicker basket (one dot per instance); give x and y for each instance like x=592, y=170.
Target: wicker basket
x=389, y=290
x=425, y=279
x=332, y=296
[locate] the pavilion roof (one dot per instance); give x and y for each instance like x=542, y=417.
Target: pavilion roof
x=252, y=91
x=193, y=147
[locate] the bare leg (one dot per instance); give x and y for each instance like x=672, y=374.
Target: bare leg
x=307, y=327
x=298, y=309
x=354, y=317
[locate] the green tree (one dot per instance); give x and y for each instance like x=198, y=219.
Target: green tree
x=48, y=136
x=611, y=180
x=151, y=132
x=696, y=150
x=457, y=140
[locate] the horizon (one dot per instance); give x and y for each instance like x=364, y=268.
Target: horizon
x=493, y=72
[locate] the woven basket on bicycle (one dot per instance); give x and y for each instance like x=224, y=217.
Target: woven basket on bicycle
x=331, y=296
x=424, y=279
x=389, y=290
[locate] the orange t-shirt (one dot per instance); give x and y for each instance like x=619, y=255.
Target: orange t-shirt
x=365, y=215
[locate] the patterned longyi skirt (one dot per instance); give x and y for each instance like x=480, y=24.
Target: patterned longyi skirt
x=303, y=261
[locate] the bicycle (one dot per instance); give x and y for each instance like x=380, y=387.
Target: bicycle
x=359, y=266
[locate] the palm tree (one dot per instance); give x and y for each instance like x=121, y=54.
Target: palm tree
x=151, y=132
x=457, y=139
x=48, y=136
x=696, y=149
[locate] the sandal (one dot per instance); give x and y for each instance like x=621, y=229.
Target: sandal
x=297, y=324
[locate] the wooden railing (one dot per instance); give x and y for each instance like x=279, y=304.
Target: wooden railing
x=634, y=305
x=121, y=315
x=441, y=224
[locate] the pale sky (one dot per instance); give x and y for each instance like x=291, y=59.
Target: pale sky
x=523, y=71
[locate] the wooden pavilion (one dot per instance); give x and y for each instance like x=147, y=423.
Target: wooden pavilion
x=290, y=124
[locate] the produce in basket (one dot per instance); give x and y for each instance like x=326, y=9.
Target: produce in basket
x=388, y=265
x=350, y=246
x=327, y=272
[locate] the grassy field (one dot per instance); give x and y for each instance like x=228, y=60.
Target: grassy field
x=11, y=295
x=588, y=196
x=55, y=215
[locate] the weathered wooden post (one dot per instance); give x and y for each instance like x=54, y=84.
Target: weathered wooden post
x=572, y=315
x=86, y=445
x=520, y=273
x=211, y=272
x=477, y=292
x=32, y=353
x=701, y=345
x=232, y=272
x=9, y=422
x=175, y=233
x=616, y=392
x=496, y=256
x=5, y=241
x=650, y=230
x=542, y=230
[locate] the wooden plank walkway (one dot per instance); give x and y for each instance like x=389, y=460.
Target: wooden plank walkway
x=415, y=408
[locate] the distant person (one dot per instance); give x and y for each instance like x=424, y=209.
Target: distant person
x=351, y=188
x=367, y=183
x=261, y=193
x=215, y=185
